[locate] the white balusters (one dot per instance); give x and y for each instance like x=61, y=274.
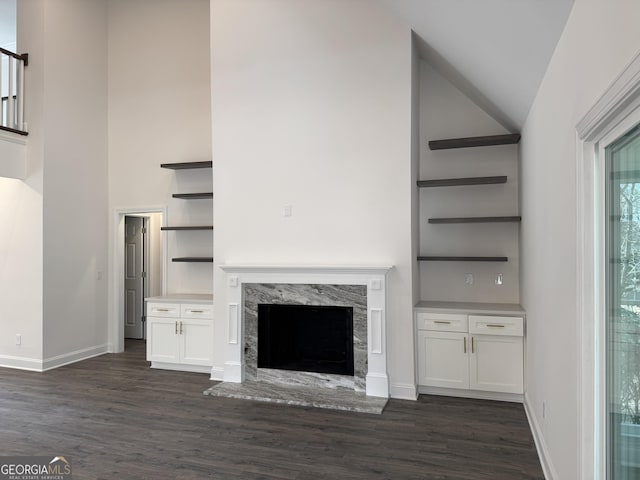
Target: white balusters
x=3, y=59
x=11, y=119
x=20, y=95
x=11, y=90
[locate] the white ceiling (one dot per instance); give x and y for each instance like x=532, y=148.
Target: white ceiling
x=495, y=51
x=7, y=22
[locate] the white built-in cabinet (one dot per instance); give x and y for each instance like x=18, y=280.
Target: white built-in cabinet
x=180, y=332
x=470, y=353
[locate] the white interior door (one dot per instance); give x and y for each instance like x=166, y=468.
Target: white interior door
x=134, y=277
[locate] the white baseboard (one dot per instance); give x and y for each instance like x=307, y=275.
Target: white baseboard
x=541, y=446
x=217, y=374
x=404, y=391
x=72, y=357
x=21, y=363
x=181, y=367
x=480, y=395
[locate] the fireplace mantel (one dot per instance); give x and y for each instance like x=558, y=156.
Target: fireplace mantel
x=307, y=269
x=373, y=276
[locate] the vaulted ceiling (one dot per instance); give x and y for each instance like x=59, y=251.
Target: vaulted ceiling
x=495, y=51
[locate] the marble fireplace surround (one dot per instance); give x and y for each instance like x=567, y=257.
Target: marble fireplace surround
x=304, y=294
x=247, y=285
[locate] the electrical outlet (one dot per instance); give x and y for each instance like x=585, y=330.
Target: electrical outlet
x=18, y=339
x=499, y=279
x=288, y=210
x=468, y=278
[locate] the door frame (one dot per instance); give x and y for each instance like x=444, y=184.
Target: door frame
x=614, y=113
x=116, y=317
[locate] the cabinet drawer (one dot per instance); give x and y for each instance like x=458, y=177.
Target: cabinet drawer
x=441, y=322
x=197, y=311
x=171, y=310
x=493, y=325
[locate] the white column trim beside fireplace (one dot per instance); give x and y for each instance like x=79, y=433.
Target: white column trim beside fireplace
x=374, y=277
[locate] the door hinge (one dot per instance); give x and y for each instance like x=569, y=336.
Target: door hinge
x=144, y=274
x=143, y=230
x=143, y=318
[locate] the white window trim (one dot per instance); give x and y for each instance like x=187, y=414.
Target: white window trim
x=615, y=113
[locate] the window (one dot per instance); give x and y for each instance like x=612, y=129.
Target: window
x=622, y=306
x=606, y=145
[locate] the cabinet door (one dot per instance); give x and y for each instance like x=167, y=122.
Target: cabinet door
x=443, y=359
x=196, y=342
x=162, y=343
x=496, y=363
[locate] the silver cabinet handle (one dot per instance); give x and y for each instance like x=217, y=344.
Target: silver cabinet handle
x=465, y=344
x=494, y=325
x=442, y=321
x=176, y=327
x=196, y=311
x=180, y=328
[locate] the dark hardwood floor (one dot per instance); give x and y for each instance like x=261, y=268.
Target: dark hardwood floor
x=118, y=419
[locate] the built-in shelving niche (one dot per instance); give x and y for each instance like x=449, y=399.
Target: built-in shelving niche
x=190, y=196
x=469, y=142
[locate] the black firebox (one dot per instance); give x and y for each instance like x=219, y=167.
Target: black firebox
x=306, y=338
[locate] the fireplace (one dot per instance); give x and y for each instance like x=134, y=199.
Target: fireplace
x=360, y=288
x=306, y=338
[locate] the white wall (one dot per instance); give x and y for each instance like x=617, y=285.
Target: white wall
x=75, y=188
x=312, y=108
x=600, y=39
x=13, y=152
x=21, y=216
x=159, y=112
x=447, y=113
x=21, y=271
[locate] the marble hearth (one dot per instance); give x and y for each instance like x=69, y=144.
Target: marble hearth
x=362, y=288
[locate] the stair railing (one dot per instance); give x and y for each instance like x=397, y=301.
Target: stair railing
x=12, y=91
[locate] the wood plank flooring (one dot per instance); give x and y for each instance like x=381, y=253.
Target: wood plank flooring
x=118, y=419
